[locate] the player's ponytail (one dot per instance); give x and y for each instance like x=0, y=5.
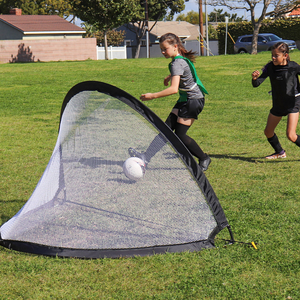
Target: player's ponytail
x=173, y=39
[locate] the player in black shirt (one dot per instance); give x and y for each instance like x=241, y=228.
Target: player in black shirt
x=283, y=75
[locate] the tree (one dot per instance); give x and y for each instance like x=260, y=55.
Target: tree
x=217, y=15
x=114, y=38
x=63, y=8
x=191, y=17
x=270, y=8
x=157, y=9
x=106, y=14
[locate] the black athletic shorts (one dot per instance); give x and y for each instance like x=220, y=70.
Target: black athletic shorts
x=281, y=113
x=190, y=109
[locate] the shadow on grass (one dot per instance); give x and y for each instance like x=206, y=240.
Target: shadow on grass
x=4, y=219
x=95, y=162
x=21, y=201
x=259, y=159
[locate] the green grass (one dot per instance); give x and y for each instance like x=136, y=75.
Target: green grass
x=260, y=198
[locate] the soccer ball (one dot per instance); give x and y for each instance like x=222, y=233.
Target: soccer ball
x=134, y=168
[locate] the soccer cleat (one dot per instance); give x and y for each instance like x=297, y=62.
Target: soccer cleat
x=205, y=163
x=134, y=153
x=282, y=154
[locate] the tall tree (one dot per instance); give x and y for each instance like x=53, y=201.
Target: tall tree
x=106, y=14
x=155, y=10
x=270, y=8
x=63, y=8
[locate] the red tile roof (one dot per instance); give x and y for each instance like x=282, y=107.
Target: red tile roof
x=295, y=12
x=40, y=23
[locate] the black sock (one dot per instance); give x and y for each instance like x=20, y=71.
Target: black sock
x=297, y=142
x=159, y=141
x=172, y=121
x=194, y=148
x=274, y=142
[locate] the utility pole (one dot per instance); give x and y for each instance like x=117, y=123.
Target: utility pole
x=147, y=28
x=206, y=29
x=201, y=27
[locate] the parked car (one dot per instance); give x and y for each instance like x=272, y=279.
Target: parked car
x=265, y=42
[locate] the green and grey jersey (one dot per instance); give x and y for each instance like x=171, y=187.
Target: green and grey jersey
x=188, y=88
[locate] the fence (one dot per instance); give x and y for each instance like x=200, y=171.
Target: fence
x=113, y=52
x=47, y=50
x=195, y=46
x=189, y=45
x=81, y=49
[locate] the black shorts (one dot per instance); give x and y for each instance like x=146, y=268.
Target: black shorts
x=190, y=109
x=284, y=112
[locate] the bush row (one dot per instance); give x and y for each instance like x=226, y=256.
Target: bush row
x=285, y=28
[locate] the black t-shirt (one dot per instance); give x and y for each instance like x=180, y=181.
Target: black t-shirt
x=284, y=82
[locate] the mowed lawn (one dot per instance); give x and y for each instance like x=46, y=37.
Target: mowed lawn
x=260, y=198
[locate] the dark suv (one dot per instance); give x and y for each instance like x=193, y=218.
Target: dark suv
x=265, y=42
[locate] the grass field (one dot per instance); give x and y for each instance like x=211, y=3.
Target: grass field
x=260, y=198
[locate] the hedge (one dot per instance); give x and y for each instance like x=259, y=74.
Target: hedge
x=286, y=28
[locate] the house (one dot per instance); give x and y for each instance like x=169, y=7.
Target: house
x=186, y=31
x=30, y=38
x=294, y=13
x=27, y=27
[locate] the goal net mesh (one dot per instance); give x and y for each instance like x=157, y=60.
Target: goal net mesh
x=85, y=201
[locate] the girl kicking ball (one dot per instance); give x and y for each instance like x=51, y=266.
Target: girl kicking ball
x=182, y=77
x=283, y=75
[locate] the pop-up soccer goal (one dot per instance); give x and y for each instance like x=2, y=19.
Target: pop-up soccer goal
x=85, y=206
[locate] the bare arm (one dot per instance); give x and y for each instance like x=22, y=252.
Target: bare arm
x=167, y=79
x=172, y=89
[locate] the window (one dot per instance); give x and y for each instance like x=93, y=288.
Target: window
x=260, y=39
x=273, y=37
x=247, y=39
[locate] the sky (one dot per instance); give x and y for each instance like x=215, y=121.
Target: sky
x=193, y=5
